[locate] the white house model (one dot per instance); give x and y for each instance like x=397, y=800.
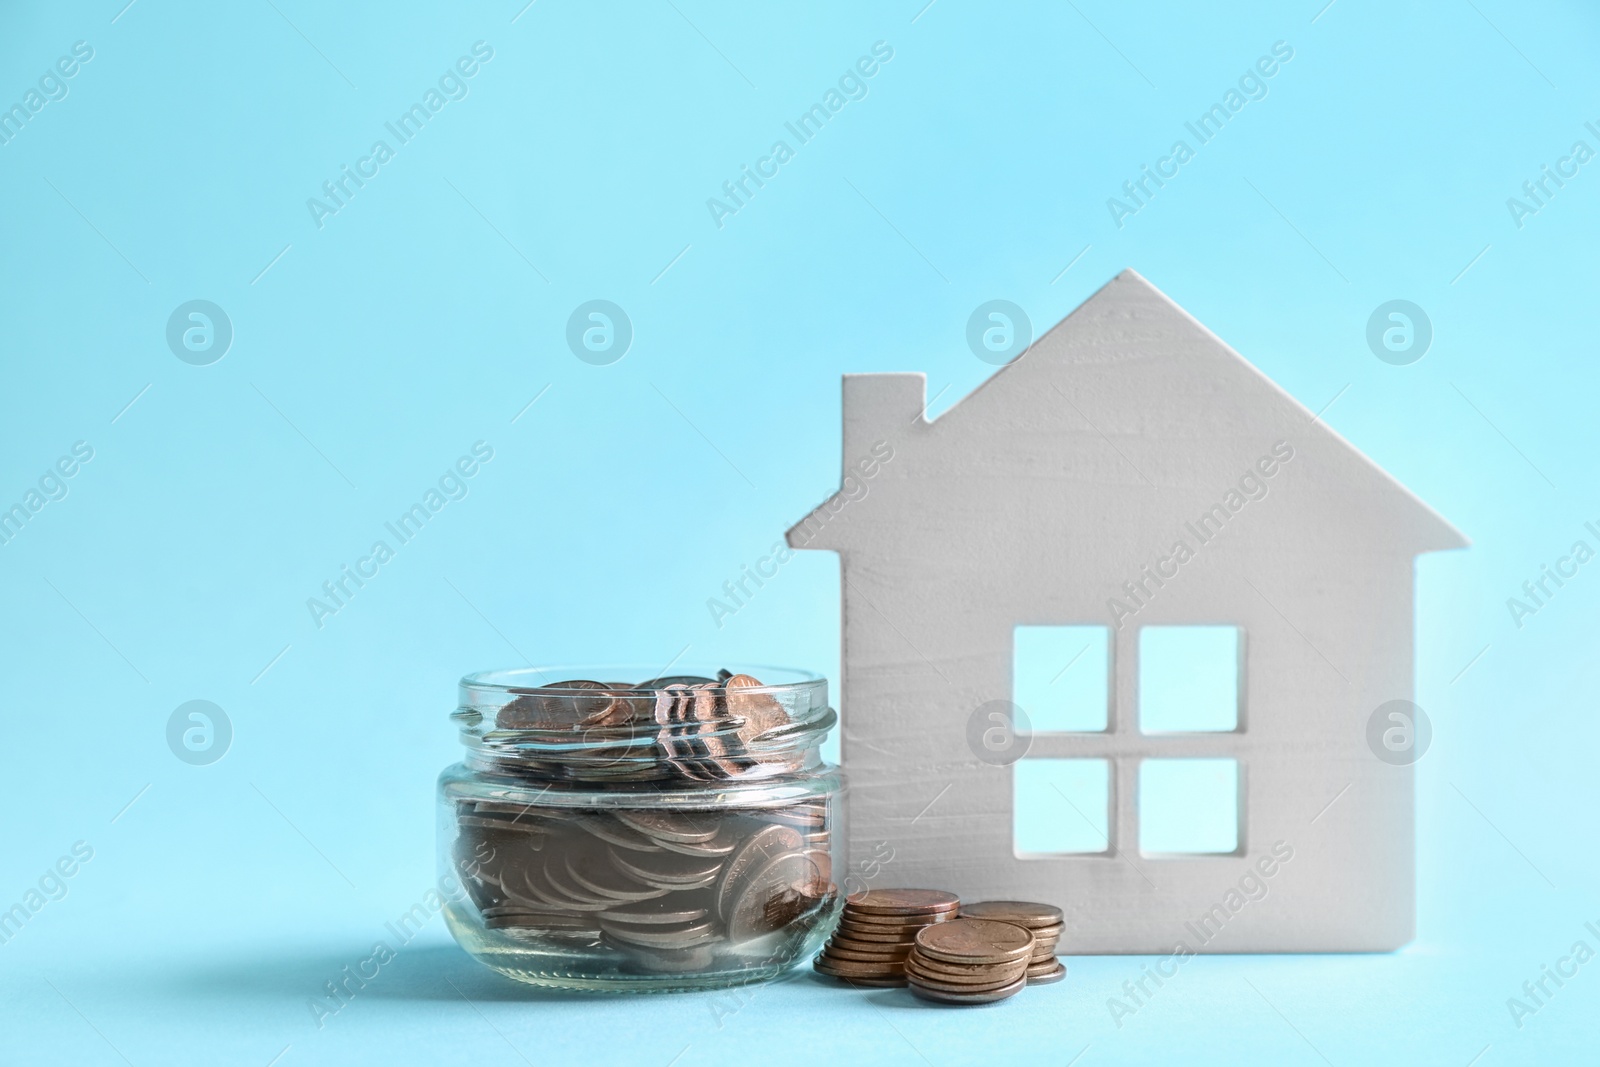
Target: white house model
x=1132, y=477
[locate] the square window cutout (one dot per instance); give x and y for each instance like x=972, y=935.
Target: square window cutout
x=1060, y=805
x=1188, y=806
x=1189, y=678
x=1059, y=676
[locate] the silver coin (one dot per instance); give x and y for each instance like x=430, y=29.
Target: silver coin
x=679, y=961
x=593, y=874
x=684, y=827
x=681, y=935
x=668, y=870
x=666, y=702
x=774, y=896
x=613, y=832
x=566, y=892
x=758, y=849
x=724, y=843
x=661, y=910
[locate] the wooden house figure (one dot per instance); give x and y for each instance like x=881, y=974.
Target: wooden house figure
x=1129, y=475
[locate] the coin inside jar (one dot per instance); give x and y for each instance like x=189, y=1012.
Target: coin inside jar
x=773, y=895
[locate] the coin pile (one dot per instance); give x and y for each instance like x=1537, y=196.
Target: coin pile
x=1044, y=921
x=681, y=727
x=648, y=891
x=970, y=961
x=877, y=931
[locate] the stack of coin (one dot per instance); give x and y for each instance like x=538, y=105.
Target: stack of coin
x=877, y=931
x=969, y=961
x=1044, y=921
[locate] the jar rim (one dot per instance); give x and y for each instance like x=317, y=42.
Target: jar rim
x=549, y=679
x=581, y=724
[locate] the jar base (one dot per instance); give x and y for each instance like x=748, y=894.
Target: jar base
x=636, y=983
x=565, y=968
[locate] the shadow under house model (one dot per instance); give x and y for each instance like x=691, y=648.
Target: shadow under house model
x=1058, y=494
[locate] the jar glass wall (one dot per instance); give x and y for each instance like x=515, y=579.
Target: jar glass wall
x=617, y=834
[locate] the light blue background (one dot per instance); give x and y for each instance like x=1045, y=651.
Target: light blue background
x=376, y=350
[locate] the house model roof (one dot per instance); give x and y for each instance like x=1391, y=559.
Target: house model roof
x=1143, y=396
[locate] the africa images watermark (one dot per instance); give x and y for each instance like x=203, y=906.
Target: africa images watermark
x=1252, y=85
x=1152, y=577
x=852, y=85
x=52, y=87
x=1563, y=571
x=52, y=486
x=51, y=885
x=1538, y=192
x=352, y=978
x=1531, y=1001
x=452, y=85
x=452, y=485
x=1252, y=888
x=854, y=489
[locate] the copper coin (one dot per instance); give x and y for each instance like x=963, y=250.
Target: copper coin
x=759, y=711
x=943, y=986
x=903, y=902
x=907, y=924
x=853, y=969
x=1035, y=917
x=846, y=951
x=1046, y=975
x=969, y=983
x=557, y=706
x=969, y=998
x=856, y=933
x=854, y=920
x=966, y=970
x=963, y=974
x=975, y=941
x=623, y=707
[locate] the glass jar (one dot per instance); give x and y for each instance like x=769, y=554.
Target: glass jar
x=614, y=834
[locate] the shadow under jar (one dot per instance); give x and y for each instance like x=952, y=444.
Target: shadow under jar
x=611, y=831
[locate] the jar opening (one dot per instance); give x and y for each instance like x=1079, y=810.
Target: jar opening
x=627, y=725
